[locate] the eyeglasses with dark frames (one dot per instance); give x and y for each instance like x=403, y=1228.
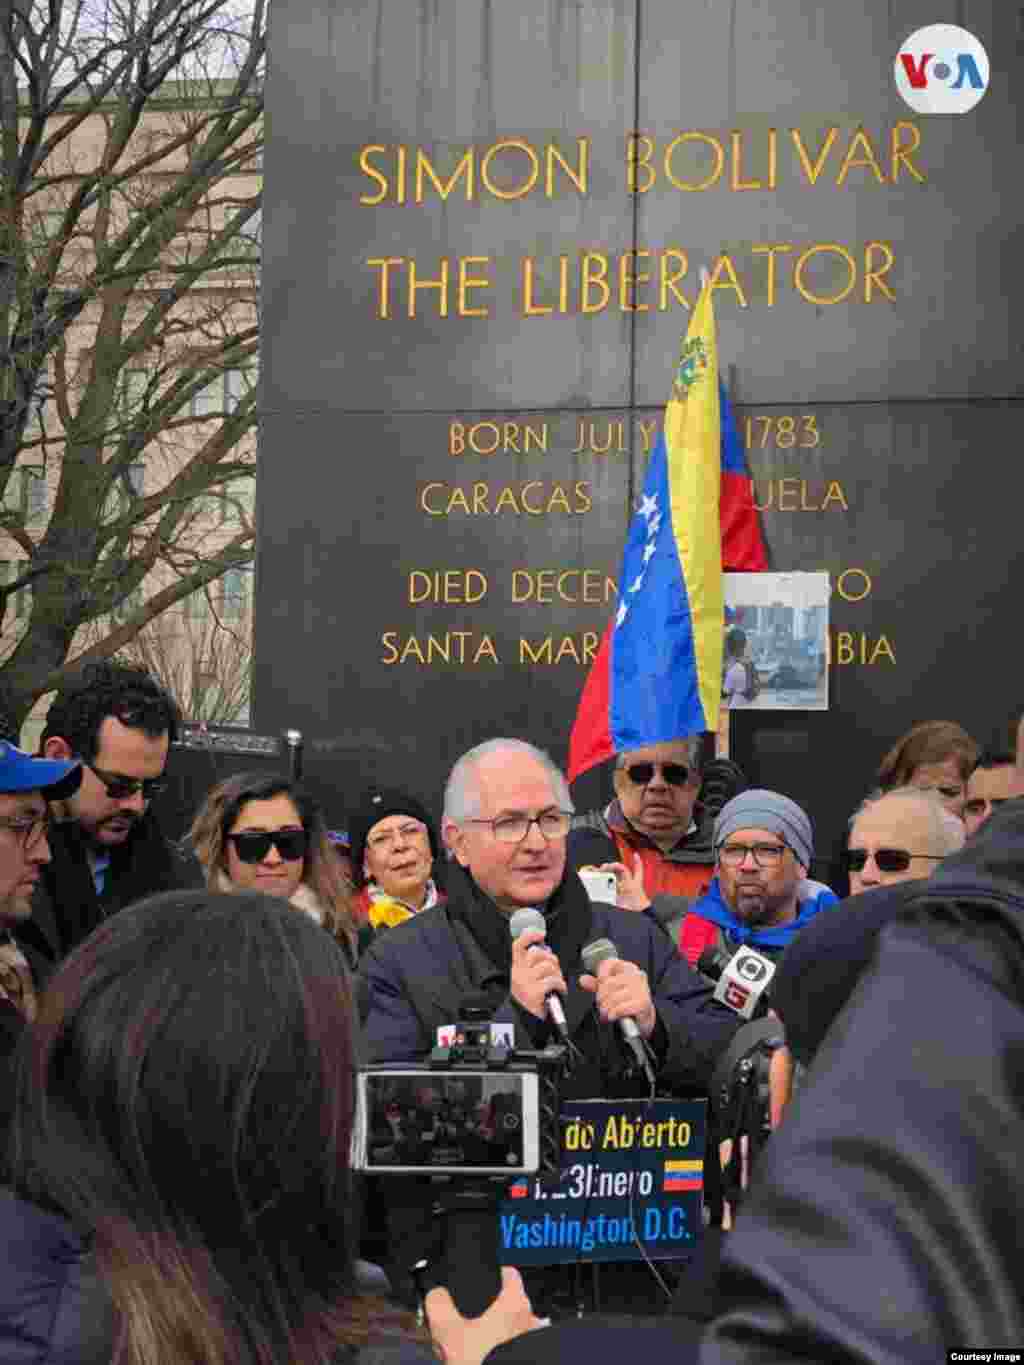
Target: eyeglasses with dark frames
x=387, y=838
x=513, y=829
x=764, y=855
x=642, y=774
x=886, y=859
x=28, y=830
x=253, y=845
x=119, y=788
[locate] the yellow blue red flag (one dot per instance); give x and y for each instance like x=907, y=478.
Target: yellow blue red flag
x=658, y=673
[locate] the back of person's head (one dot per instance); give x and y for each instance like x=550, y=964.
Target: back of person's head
x=187, y=1099
x=932, y=741
x=109, y=688
x=735, y=643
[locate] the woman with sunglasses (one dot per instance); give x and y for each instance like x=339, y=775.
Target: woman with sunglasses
x=256, y=832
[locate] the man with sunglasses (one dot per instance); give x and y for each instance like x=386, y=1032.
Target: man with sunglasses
x=761, y=894
x=898, y=837
x=107, y=846
x=654, y=835
x=26, y=785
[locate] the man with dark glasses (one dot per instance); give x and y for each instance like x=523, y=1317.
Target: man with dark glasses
x=654, y=835
x=901, y=836
x=106, y=843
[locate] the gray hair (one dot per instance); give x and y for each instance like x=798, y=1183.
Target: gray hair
x=947, y=831
x=461, y=797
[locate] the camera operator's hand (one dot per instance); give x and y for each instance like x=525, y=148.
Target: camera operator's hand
x=466, y=1341
x=534, y=973
x=629, y=884
x=621, y=989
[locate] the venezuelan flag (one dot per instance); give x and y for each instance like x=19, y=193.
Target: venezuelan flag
x=657, y=674
x=683, y=1175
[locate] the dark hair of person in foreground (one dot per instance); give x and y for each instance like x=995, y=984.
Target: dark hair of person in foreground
x=187, y=1100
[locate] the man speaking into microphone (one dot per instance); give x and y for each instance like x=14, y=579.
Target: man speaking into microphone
x=506, y=818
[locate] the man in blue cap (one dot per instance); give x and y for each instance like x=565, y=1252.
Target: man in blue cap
x=761, y=895
x=26, y=785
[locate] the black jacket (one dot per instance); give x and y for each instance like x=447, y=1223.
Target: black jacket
x=883, y=1224
x=65, y=907
x=417, y=974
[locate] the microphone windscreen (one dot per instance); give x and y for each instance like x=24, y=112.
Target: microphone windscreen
x=524, y=921
x=601, y=950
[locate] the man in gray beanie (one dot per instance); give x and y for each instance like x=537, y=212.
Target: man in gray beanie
x=761, y=894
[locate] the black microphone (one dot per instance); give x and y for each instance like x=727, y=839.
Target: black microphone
x=604, y=950
x=523, y=922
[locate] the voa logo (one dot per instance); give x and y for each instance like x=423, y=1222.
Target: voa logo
x=942, y=69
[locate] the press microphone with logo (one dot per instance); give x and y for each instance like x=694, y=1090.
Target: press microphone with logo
x=743, y=981
x=604, y=950
x=524, y=922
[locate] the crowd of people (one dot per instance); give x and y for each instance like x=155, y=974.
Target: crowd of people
x=179, y=1025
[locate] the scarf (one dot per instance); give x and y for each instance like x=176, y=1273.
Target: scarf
x=712, y=907
x=567, y=916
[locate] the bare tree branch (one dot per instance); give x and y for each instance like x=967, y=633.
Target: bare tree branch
x=130, y=132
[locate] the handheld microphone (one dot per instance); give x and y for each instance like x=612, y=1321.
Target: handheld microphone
x=744, y=982
x=523, y=922
x=604, y=950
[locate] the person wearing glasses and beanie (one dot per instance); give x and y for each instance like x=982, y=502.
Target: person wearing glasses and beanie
x=761, y=894
x=263, y=832
x=106, y=843
x=656, y=835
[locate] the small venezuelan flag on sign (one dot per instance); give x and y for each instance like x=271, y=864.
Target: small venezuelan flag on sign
x=683, y=1175
x=519, y=1190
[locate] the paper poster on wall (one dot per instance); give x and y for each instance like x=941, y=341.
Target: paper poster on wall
x=776, y=641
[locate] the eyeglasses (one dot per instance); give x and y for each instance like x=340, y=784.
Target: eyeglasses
x=982, y=805
x=387, y=838
x=764, y=855
x=675, y=774
x=513, y=829
x=886, y=859
x=120, y=788
x=253, y=845
x=28, y=831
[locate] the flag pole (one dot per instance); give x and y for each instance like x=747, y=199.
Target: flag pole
x=723, y=735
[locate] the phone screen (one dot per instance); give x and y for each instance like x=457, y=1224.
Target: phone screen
x=465, y=1122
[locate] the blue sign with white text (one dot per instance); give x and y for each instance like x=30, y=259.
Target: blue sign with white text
x=632, y=1175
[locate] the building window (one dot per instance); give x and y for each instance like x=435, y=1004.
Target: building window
x=25, y=495
x=19, y=605
x=224, y=392
x=234, y=600
x=249, y=241
x=133, y=387
x=129, y=604
x=135, y=478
